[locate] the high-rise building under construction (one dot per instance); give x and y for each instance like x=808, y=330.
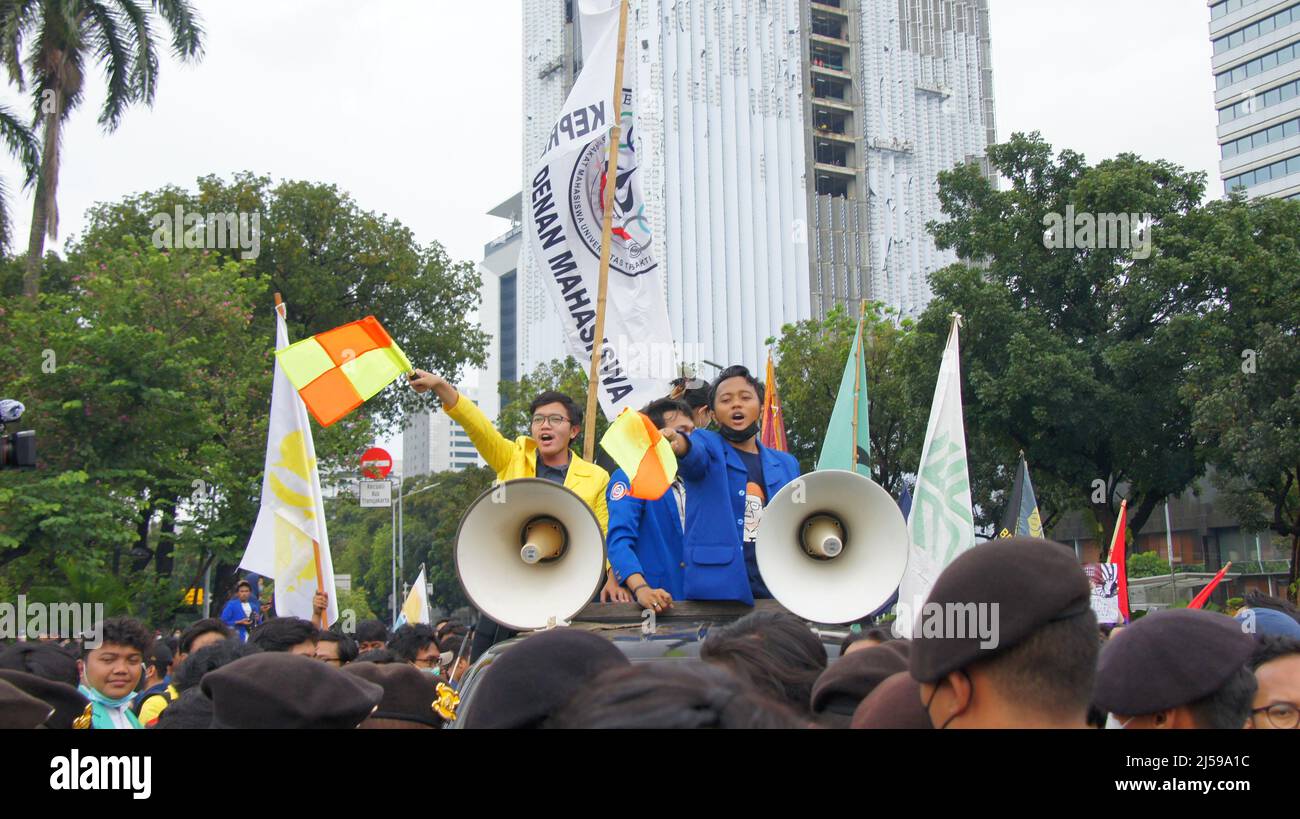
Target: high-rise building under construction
x=789, y=149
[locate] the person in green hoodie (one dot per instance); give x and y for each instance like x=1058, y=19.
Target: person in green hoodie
x=111, y=670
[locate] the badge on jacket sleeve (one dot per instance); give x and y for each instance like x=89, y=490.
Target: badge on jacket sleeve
x=618, y=491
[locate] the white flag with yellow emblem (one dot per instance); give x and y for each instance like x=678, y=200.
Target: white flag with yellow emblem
x=416, y=608
x=292, y=517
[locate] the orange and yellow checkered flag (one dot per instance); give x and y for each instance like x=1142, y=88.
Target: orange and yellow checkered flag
x=640, y=451
x=338, y=370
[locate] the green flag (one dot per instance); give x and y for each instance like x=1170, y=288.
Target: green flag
x=837, y=448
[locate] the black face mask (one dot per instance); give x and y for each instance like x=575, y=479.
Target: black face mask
x=738, y=436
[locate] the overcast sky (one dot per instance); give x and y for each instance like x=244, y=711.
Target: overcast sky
x=414, y=106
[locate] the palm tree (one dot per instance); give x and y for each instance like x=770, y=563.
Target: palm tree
x=21, y=143
x=67, y=36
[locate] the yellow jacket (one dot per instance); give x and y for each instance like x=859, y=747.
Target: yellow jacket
x=518, y=458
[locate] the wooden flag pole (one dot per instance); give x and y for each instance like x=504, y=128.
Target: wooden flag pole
x=315, y=546
x=857, y=379
x=606, y=236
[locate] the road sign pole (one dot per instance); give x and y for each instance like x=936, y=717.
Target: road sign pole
x=393, y=509
x=401, y=531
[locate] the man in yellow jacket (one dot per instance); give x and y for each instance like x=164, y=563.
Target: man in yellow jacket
x=556, y=422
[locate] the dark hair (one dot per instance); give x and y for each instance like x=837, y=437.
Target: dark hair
x=160, y=657
x=372, y=631
x=694, y=396
x=1053, y=670
x=1271, y=647
x=734, y=371
x=49, y=661
x=553, y=397
x=656, y=410
x=1256, y=599
x=209, y=658
x=774, y=651
x=282, y=633
x=243, y=583
x=1229, y=706
x=211, y=624
x=347, y=646
x=671, y=695
x=123, y=631
x=880, y=635
x=410, y=639
x=378, y=656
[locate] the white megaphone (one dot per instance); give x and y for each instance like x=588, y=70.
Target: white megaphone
x=832, y=546
x=530, y=554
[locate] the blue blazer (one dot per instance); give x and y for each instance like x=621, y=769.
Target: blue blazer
x=645, y=537
x=715, y=479
x=233, y=613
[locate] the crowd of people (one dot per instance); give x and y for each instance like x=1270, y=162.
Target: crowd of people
x=1007, y=637
x=1052, y=667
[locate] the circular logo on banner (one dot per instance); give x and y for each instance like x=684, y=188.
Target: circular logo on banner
x=630, y=254
x=618, y=491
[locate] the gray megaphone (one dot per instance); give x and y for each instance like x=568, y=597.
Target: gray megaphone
x=530, y=554
x=832, y=546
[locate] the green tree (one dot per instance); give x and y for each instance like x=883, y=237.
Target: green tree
x=21, y=142
x=432, y=519
x=149, y=390
x=810, y=358
x=1244, y=385
x=66, y=37
x=566, y=376
x=332, y=262
x=1073, y=355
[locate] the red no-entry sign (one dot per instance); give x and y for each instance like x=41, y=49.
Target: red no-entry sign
x=376, y=463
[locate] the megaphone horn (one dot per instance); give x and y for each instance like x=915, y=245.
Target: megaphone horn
x=543, y=539
x=832, y=546
x=529, y=553
x=822, y=536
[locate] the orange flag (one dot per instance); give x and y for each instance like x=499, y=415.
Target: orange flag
x=773, y=421
x=640, y=451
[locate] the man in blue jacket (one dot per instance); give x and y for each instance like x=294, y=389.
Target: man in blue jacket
x=729, y=478
x=645, y=537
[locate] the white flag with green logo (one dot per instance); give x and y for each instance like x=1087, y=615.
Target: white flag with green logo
x=941, y=524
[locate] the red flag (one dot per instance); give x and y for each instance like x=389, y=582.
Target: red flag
x=773, y=421
x=1200, y=600
x=1117, y=558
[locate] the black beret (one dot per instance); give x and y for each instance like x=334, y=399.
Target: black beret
x=538, y=675
x=18, y=709
x=68, y=703
x=896, y=703
x=1168, y=659
x=192, y=710
x=49, y=660
x=408, y=692
x=274, y=689
x=847, y=681
x=159, y=655
x=1034, y=582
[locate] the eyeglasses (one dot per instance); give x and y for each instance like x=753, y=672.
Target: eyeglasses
x=553, y=420
x=1284, y=715
x=427, y=662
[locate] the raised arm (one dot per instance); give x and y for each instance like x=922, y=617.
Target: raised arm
x=495, y=448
